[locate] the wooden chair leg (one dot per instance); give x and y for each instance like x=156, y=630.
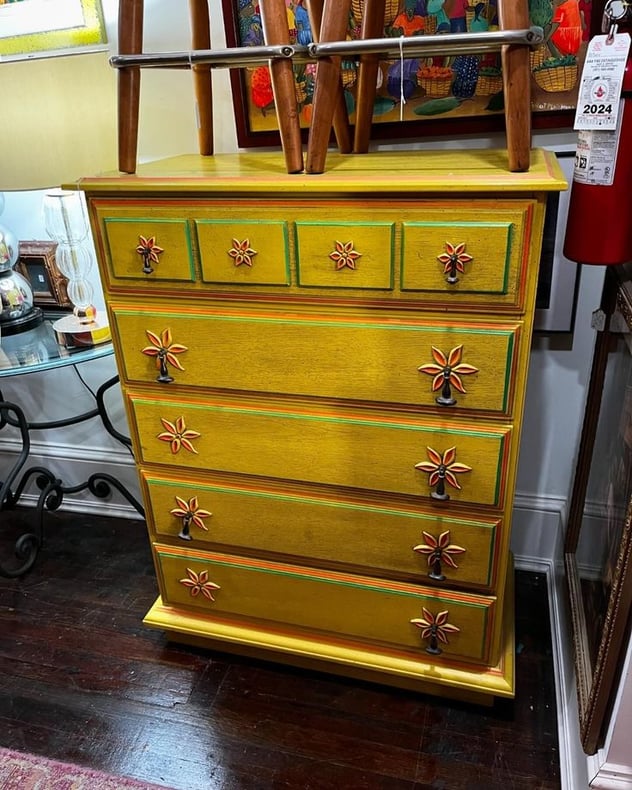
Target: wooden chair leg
x=130, y=35
x=514, y=14
x=275, y=31
x=333, y=28
x=202, y=79
x=341, y=117
x=372, y=27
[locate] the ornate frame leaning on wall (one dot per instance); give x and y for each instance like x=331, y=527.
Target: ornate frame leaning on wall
x=600, y=517
x=43, y=28
x=36, y=262
x=554, y=89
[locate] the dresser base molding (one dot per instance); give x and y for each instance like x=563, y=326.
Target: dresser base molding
x=450, y=680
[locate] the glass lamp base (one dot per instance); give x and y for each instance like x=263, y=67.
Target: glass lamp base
x=73, y=334
x=28, y=320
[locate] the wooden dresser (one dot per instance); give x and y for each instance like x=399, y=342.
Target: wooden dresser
x=325, y=378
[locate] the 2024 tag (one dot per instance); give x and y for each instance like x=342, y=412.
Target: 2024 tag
x=601, y=83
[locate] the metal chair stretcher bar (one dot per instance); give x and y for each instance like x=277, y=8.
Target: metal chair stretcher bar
x=238, y=57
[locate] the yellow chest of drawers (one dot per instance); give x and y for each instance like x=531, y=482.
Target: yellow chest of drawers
x=324, y=378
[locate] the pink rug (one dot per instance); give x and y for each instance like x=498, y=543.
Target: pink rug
x=20, y=771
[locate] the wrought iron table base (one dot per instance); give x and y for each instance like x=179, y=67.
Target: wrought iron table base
x=52, y=490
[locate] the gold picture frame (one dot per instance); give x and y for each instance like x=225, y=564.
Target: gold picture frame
x=42, y=28
x=36, y=262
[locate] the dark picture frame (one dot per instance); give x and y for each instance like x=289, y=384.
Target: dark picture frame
x=598, y=544
x=553, y=105
x=36, y=262
x=558, y=277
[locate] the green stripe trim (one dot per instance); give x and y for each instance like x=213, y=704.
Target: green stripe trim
x=318, y=322
x=318, y=418
x=320, y=579
x=311, y=501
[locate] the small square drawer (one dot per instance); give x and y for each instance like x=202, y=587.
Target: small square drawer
x=358, y=609
x=345, y=254
x=147, y=249
x=464, y=256
x=244, y=252
x=334, y=446
x=378, y=538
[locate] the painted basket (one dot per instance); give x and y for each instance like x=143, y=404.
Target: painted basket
x=431, y=25
x=391, y=10
x=557, y=79
x=437, y=87
x=488, y=85
x=538, y=55
x=348, y=73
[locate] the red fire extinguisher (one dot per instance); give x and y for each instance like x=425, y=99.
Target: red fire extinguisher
x=599, y=226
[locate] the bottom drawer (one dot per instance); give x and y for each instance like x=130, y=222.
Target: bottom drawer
x=410, y=619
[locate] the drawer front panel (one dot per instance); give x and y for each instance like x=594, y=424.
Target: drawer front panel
x=466, y=256
x=359, y=608
x=332, y=448
x=382, y=538
x=442, y=253
x=397, y=361
x=345, y=254
x=244, y=253
x=481, y=267
x=160, y=246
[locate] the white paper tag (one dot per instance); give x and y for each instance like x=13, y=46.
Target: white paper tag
x=596, y=156
x=601, y=82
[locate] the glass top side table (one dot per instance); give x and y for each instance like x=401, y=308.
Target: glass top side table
x=37, y=349
x=34, y=351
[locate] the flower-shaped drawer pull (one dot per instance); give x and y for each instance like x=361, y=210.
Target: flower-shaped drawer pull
x=439, y=553
x=442, y=469
x=149, y=251
x=454, y=259
x=199, y=583
x=165, y=351
x=344, y=255
x=191, y=514
x=242, y=253
x=435, y=628
x=178, y=435
x=447, y=372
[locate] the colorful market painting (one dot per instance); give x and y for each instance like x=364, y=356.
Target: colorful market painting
x=432, y=87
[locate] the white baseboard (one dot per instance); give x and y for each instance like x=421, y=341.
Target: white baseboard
x=74, y=466
x=537, y=542
x=609, y=776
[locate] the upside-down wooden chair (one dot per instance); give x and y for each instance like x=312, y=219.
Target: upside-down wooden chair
x=329, y=19
x=130, y=37
x=513, y=15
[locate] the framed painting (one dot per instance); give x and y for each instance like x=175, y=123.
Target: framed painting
x=41, y=28
x=444, y=95
x=598, y=549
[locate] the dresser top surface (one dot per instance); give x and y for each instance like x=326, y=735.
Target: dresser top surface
x=400, y=172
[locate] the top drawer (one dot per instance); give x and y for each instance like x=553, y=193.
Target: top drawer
x=435, y=252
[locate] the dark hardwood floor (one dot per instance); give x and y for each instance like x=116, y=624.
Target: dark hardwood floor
x=82, y=680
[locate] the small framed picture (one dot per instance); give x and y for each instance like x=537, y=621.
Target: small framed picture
x=36, y=261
